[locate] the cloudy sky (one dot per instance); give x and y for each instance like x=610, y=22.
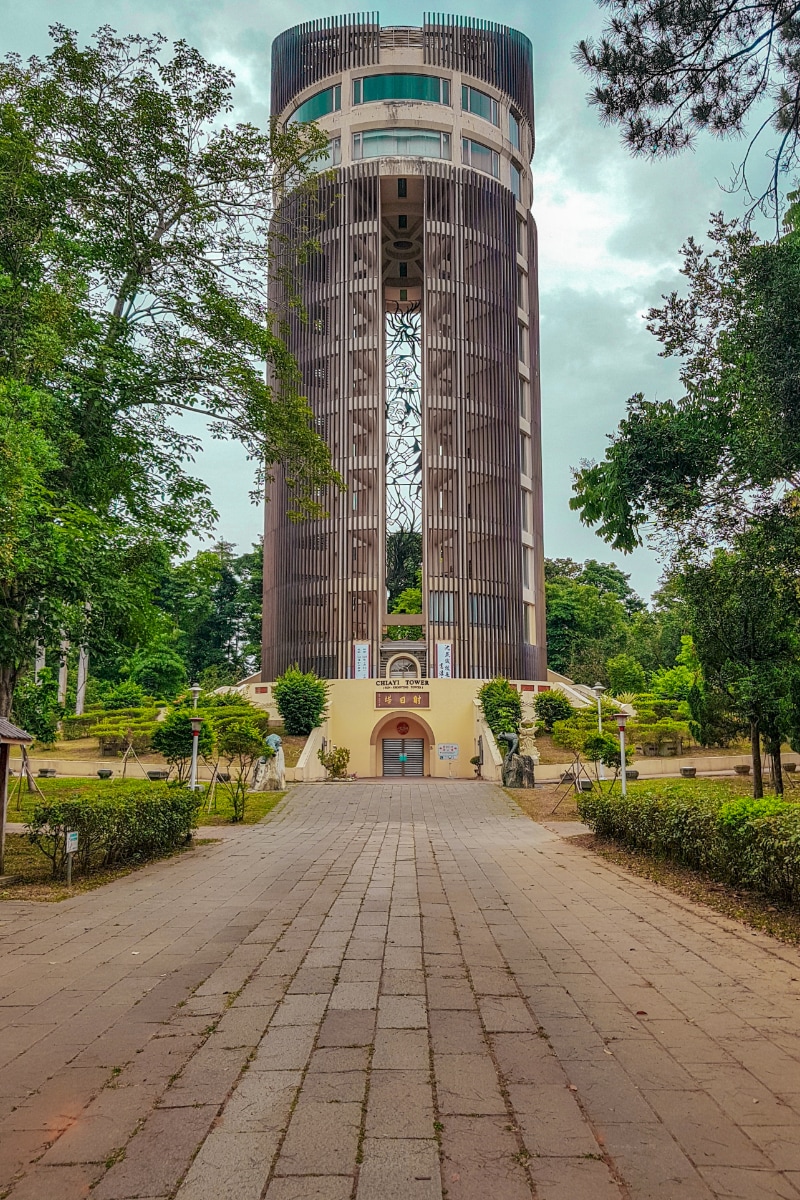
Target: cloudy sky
x=611, y=227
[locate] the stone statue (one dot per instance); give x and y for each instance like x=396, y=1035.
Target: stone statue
x=271, y=770
x=518, y=769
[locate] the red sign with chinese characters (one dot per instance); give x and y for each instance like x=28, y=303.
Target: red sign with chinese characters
x=402, y=700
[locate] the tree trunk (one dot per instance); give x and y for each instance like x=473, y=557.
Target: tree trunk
x=8, y=680
x=776, y=769
x=755, y=749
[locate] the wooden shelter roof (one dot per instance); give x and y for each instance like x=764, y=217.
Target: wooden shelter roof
x=12, y=735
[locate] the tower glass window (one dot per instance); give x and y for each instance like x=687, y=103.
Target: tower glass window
x=480, y=104
x=482, y=158
x=516, y=182
x=428, y=88
x=319, y=105
x=412, y=143
x=514, y=130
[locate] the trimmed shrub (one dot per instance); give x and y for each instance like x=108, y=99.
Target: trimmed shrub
x=744, y=842
x=335, y=761
x=124, y=695
x=240, y=743
x=502, y=706
x=127, y=824
x=551, y=707
x=301, y=699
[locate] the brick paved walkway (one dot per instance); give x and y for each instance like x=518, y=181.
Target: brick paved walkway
x=394, y=992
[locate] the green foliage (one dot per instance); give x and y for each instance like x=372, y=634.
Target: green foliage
x=125, y=695
x=121, y=824
x=408, y=601
x=502, y=706
x=550, y=707
x=36, y=708
x=241, y=744
x=301, y=698
x=748, y=843
x=585, y=628
x=403, y=563
x=173, y=737
x=134, y=247
x=159, y=670
x=335, y=761
x=625, y=674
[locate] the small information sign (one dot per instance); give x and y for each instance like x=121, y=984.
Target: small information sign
x=447, y=750
x=72, y=841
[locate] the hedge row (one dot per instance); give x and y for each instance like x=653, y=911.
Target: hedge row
x=744, y=842
x=127, y=824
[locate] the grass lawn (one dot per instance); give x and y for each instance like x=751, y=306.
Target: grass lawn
x=29, y=875
x=20, y=803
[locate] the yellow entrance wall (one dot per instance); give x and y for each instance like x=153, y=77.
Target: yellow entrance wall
x=357, y=723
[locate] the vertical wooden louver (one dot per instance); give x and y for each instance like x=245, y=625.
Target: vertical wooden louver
x=307, y=53
x=322, y=578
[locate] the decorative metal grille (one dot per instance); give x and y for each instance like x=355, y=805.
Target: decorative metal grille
x=404, y=419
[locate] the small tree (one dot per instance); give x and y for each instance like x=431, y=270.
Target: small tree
x=36, y=706
x=173, y=739
x=502, y=706
x=241, y=745
x=301, y=699
x=625, y=674
x=551, y=707
x=160, y=670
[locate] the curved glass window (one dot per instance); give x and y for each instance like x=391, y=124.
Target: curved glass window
x=477, y=102
x=482, y=158
x=516, y=182
x=332, y=157
x=513, y=130
x=416, y=143
x=401, y=87
x=318, y=106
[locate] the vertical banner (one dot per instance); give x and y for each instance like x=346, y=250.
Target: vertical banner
x=444, y=660
x=361, y=660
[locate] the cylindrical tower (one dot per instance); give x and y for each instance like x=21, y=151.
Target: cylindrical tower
x=419, y=353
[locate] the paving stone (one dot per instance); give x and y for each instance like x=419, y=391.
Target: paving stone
x=322, y=1139
x=467, y=1084
x=400, y=1105
x=671, y=1029
x=481, y=1159
x=401, y=1169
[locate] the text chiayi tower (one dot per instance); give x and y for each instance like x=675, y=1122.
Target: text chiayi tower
x=419, y=356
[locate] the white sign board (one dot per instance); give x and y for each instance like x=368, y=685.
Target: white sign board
x=447, y=750
x=444, y=660
x=72, y=841
x=361, y=660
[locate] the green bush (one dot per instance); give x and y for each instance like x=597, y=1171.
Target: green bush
x=172, y=738
x=744, y=842
x=502, y=706
x=124, y=695
x=301, y=699
x=551, y=707
x=335, y=761
x=126, y=824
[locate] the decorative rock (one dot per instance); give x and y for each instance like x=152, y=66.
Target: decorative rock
x=742, y=769
x=157, y=775
x=518, y=771
x=631, y=773
x=688, y=772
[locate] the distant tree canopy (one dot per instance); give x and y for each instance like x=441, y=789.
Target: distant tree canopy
x=667, y=70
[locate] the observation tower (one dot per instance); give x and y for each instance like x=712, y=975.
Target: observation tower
x=419, y=356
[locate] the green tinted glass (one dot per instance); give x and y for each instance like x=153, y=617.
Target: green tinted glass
x=319, y=105
x=401, y=87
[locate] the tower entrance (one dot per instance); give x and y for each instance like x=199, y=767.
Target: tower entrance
x=403, y=756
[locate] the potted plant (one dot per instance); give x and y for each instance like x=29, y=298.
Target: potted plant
x=477, y=764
